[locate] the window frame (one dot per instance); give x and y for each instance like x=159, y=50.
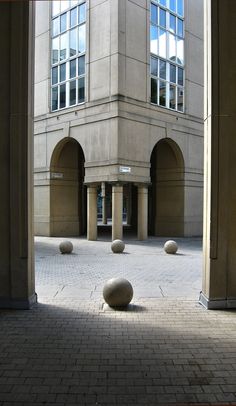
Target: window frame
x=71, y=6
x=159, y=58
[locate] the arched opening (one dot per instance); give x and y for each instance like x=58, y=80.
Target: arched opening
x=67, y=190
x=166, y=195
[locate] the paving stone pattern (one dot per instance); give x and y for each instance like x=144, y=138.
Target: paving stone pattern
x=70, y=350
x=152, y=272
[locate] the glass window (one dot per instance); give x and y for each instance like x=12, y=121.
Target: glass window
x=172, y=97
x=180, y=77
x=74, y=3
x=153, y=90
x=180, y=31
x=82, y=38
x=55, y=8
x=55, y=50
x=73, y=68
x=162, y=43
x=162, y=18
x=153, y=13
x=63, y=49
x=81, y=90
x=162, y=93
x=154, y=65
x=73, y=17
x=62, y=96
x=73, y=42
x=180, y=51
x=162, y=68
x=68, y=32
x=54, y=75
x=167, y=53
x=172, y=73
x=172, y=23
x=82, y=13
x=173, y=5
x=55, y=98
x=63, y=22
x=55, y=26
x=180, y=9
x=64, y=5
x=180, y=99
x=153, y=39
x=62, y=72
x=81, y=65
x=72, y=92
x=172, y=47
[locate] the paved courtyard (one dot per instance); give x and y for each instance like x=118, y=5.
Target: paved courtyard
x=70, y=349
x=152, y=272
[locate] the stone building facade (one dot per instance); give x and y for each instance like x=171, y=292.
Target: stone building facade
x=119, y=113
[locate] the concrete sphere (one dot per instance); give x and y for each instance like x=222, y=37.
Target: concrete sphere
x=171, y=247
x=117, y=246
x=66, y=247
x=117, y=292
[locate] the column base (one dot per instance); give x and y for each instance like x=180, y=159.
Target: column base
x=216, y=304
x=18, y=304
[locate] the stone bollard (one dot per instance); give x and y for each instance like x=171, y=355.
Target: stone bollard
x=171, y=247
x=117, y=246
x=117, y=292
x=66, y=247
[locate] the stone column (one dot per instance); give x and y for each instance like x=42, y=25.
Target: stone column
x=129, y=205
x=17, y=282
x=219, y=276
x=92, y=213
x=142, y=212
x=104, y=206
x=117, y=212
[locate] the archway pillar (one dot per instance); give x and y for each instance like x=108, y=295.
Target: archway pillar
x=104, y=205
x=17, y=282
x=117, y=212
x=219, y=276
x=92, y=212
x=129, y=204
x=142, y=212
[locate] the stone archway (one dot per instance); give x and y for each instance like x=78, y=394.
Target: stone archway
x=67, y=191
x=166, y=195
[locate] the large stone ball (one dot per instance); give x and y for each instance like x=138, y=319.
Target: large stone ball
x=66, y=247
x=117, y=246
x=117, y=292
x=171, y=247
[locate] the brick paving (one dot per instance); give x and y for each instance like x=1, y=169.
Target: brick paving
x=151, y=271
x=71, y=349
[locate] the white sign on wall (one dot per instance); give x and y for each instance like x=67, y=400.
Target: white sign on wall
x=125, y=169
x=56, y=175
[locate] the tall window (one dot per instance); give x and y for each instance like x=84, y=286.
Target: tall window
x=167, y=53
x=68, y=53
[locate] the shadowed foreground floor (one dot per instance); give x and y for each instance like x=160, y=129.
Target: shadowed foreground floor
x=161, y=351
